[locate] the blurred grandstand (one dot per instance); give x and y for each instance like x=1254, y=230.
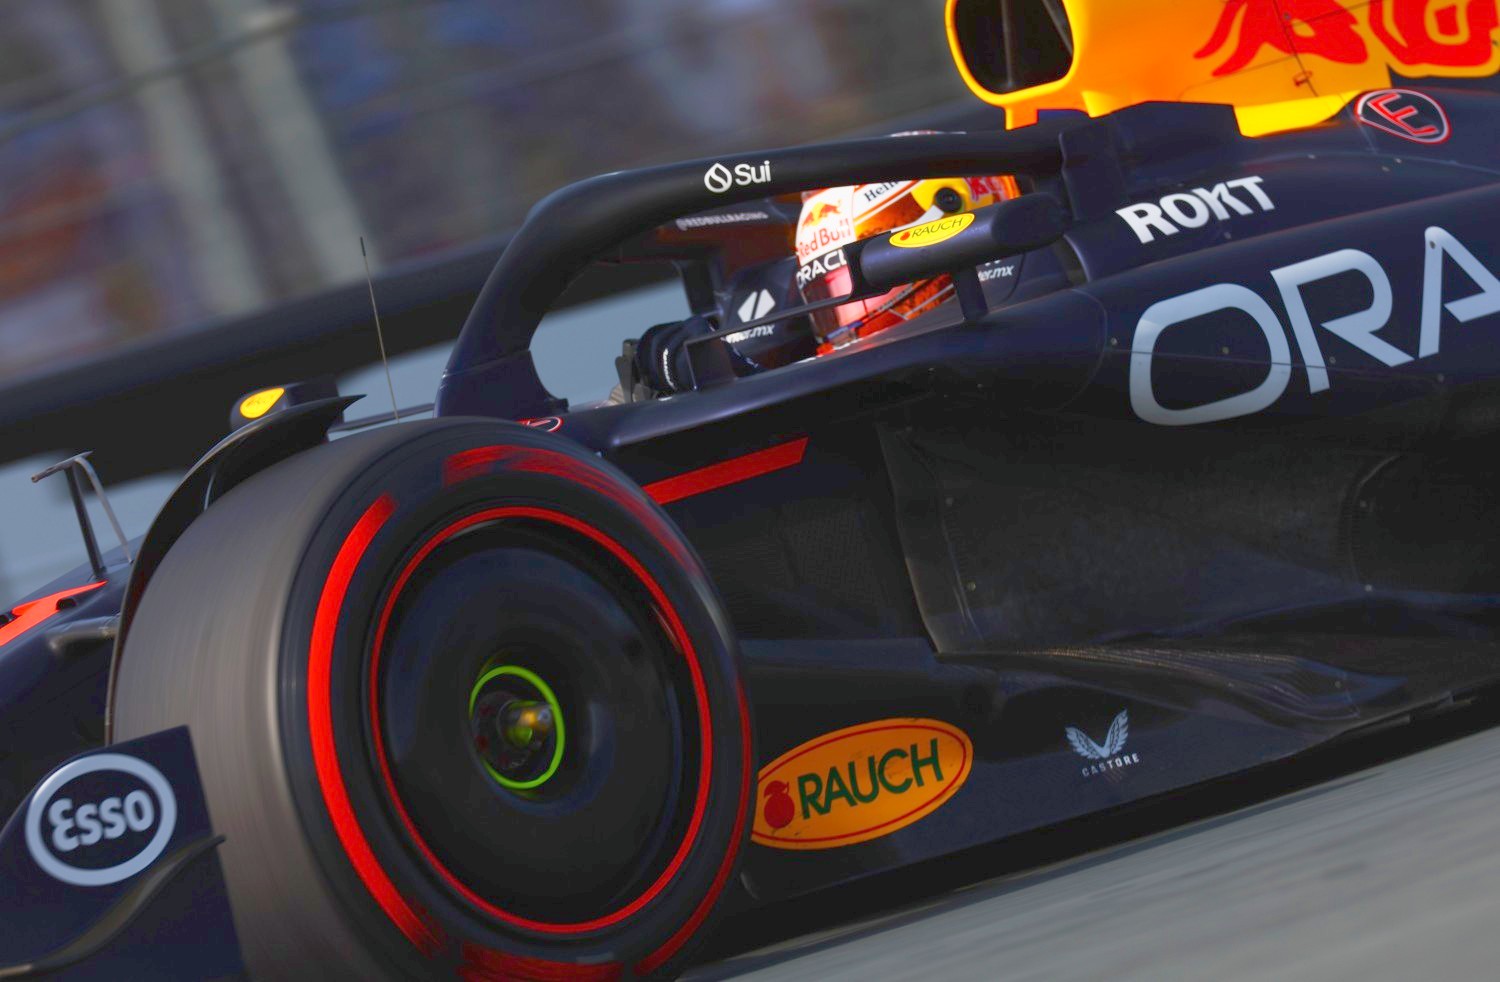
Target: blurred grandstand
x=183, y=184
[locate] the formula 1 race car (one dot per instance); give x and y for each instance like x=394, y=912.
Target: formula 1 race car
x=1176, y=452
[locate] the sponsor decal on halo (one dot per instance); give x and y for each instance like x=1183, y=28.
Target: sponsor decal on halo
x=719, y=178
x=930, y=233
x=721, y=218
x=860, y=783
x=100, y=819
x=1109, y=755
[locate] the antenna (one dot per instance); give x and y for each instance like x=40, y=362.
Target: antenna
x=379, y=335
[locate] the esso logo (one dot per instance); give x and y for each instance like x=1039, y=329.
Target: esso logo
x=100, y=820
x=547, y=424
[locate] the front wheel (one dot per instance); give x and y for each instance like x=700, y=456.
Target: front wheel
x=463, y=701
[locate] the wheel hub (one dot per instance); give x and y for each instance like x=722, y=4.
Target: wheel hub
x=497, y=634
x=518, y=729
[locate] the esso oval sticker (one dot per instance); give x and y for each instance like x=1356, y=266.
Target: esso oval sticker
x=100, y=819
x=547, y=424
x=860, y=783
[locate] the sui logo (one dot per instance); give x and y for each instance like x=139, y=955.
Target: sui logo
x=719, y=178
x=100, y=819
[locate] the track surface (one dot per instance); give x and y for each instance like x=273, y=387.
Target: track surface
x=1389, y=872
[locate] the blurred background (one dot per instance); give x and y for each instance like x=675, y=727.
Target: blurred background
x=183, y=186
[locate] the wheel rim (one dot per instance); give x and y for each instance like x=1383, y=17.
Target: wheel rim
x=661, y=756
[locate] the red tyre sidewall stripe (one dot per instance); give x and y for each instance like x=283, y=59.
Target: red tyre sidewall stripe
x=473, y=463
x=690, y=927
x=320, y=727
x=484, y=965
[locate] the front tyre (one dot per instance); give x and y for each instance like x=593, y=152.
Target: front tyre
x=463, y=701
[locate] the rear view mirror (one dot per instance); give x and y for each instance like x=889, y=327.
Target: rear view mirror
x=960, y=241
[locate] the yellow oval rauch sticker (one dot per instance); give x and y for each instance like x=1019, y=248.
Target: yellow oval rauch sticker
x=930, y=232
x=860, y=783
x=257, y=405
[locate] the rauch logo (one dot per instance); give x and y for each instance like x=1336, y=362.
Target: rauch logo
x=931, y=233
x=860, y=783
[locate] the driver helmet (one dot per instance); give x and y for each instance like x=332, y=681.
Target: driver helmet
x=834, y=217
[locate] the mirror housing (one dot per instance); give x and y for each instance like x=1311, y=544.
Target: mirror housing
x=952, y=243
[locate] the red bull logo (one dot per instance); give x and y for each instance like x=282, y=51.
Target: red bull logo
x=820, y=211
x=824, y=223
x=1415, y=37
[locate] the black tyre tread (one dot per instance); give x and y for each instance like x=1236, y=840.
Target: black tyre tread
x=223, y=587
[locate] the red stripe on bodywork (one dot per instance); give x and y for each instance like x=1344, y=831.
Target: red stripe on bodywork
x=728, y=472
x=320, y=725
x=33, y=612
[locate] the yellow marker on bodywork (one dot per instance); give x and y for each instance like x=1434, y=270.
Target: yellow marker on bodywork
x=929, y=233
x=258, y=404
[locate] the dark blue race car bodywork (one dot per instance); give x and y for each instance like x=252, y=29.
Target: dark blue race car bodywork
x=1207, y=482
